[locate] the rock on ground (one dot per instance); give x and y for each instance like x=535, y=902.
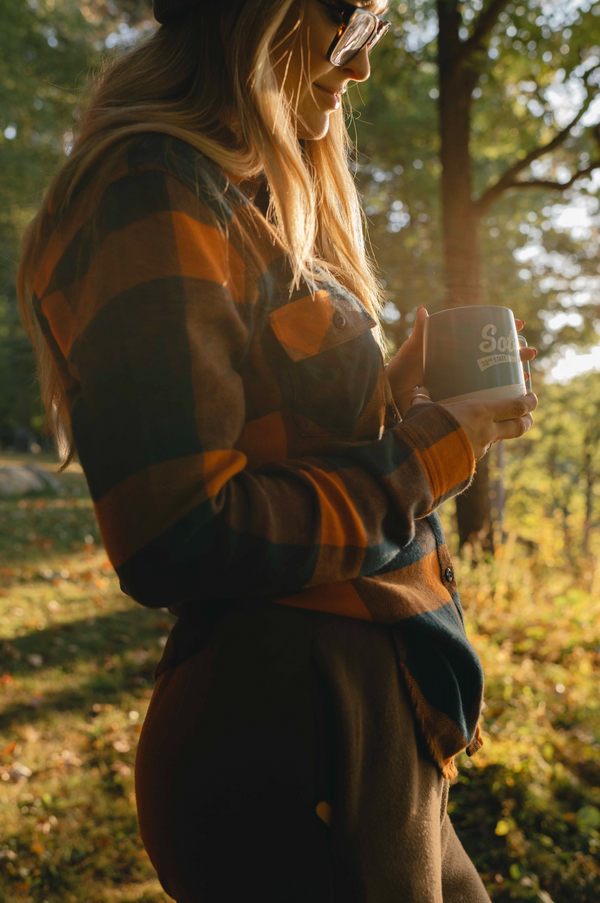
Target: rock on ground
x=24, y=479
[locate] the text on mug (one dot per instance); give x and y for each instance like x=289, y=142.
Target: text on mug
x=502, y=343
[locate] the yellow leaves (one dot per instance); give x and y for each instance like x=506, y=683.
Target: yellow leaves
x=503, y=827
x=585, y=667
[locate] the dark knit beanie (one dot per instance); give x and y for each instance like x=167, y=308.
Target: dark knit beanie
x=165, y=10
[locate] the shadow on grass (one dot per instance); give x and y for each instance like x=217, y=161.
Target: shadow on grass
x=121, y=650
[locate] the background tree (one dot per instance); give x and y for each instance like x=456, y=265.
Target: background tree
x=47, y=49
x=479, y=128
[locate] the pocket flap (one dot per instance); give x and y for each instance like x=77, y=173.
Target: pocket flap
x=316, y=323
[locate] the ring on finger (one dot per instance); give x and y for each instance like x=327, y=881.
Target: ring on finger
x=418, y=392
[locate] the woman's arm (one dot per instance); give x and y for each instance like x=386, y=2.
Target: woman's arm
x=164, y=321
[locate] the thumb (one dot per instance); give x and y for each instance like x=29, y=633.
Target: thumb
x=417, y=333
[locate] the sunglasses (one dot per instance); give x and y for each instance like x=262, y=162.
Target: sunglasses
x=358, y=28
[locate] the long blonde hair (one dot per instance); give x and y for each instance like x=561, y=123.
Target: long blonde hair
x=168, y=84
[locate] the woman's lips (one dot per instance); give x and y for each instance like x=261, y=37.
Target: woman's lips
x=331, y=99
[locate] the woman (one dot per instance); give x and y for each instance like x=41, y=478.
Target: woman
x=192, y=285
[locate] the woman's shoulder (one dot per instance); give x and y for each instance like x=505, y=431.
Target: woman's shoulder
x=186, y=164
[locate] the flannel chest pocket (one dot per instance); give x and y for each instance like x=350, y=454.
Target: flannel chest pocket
x=335, y=364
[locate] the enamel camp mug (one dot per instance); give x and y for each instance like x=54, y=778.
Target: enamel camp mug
x=472, y=352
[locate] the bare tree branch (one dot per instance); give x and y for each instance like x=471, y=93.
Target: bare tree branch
x=483, y=26
x=549, y=183
x=509, y=180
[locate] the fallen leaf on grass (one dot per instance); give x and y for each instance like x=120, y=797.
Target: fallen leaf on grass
x=37, y=848
x=18, y=772
x=45, y=825
x=121, y=746
x=8, y=749
x=29, y=733
x=140, y=656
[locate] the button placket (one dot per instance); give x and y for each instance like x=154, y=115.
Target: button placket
x=393, y=413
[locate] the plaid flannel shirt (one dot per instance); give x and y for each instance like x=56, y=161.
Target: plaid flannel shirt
x=240, y=441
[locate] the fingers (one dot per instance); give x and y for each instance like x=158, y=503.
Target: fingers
x=513, y=429
x=417, y=333
x=519, y=324
x=510, y=408
x=528, y=354
x=420, y=395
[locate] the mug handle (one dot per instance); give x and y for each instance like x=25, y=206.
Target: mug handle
x=526, y=367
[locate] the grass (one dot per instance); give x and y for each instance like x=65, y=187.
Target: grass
x=527, y=806
x=76, y=675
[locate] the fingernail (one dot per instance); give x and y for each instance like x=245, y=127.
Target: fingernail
x=535, y=352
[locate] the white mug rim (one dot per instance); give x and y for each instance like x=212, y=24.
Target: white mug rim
x=448, y=310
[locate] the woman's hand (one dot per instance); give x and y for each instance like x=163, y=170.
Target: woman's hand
x=405, y=370
x=527, y=354
x=486, y=422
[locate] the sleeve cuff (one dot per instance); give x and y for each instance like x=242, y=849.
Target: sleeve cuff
x=442, y=447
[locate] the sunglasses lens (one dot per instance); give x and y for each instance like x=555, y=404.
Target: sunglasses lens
x=359, y=31
x=384, y=27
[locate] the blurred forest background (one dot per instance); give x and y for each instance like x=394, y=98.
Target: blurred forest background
x=479, y=161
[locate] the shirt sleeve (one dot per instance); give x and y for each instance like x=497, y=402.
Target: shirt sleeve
x=162, y=328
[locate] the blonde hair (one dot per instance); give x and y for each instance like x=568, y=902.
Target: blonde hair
x=167, y=84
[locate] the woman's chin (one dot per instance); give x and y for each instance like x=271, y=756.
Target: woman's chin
x=314, y=127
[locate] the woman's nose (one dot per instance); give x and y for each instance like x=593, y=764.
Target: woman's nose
x=359, y=67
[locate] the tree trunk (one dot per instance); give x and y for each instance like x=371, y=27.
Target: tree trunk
x=473, y=513
x=460, y=224
x=497, y=492
x=590, y=479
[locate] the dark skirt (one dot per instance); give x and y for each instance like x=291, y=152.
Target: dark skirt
x=281, y=762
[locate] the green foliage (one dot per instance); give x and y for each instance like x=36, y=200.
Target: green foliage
x=553, y=473
x=48, y=48
x=535, y=52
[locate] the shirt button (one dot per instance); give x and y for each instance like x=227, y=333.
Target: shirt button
x=449, y=575
x=339, y=320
